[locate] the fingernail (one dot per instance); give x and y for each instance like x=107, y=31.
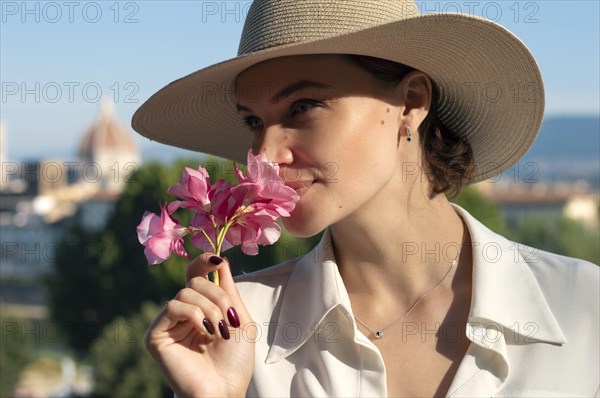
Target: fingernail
x=209, y=327
x=223, y=329
x=216, y=260
x=232, y=315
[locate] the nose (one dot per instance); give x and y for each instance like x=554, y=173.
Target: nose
x=274, y=141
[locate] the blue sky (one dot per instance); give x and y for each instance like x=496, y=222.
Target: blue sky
x=67, y=54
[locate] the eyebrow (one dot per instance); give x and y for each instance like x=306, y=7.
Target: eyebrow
x=289, y=90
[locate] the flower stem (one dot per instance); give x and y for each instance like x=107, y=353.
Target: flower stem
x=216, y=250
x=220, y=239
x=208, y=239
x=215, y=277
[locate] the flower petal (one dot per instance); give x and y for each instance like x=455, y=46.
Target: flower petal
x=193, y=186
x=269, y=234
x=177, y=248
x=160, y=246
x=250, y=248
x=152, y=258
x=149, y=226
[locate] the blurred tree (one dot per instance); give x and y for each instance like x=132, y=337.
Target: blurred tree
x=15, y=353
x=123, y=367
x=100, y=275
x=488, y=213
x=559, y=235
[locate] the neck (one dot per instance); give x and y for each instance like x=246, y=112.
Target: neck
x=392, y=256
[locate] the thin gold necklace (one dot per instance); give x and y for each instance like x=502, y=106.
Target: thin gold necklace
x=378, y=333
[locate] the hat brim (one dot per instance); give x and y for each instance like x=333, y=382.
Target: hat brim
x=491, y=90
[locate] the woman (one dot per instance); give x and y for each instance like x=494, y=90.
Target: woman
x=406, y=295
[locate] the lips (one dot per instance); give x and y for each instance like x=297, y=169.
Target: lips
x=299, y=186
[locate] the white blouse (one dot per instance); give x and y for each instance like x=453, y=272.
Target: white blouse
x=533, y=324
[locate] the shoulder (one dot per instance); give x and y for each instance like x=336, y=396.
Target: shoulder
x=555, y=271
x=559, y=277
x=569, y=288
x=569, y=285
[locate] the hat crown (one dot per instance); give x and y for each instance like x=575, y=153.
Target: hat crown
x=272, y=23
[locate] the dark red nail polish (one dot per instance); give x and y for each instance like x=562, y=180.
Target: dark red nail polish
x=232, y=315
x=209, y=327
x=223, y=329
x=216, y=260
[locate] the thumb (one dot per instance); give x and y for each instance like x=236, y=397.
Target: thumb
x=226, y=278
x=202, y=266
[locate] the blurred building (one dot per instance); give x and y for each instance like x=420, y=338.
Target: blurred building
x=576, y=200
x=40, y=199
x=107, y=152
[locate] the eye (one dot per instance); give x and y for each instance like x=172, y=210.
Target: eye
x=252, y=122
x=303, y=105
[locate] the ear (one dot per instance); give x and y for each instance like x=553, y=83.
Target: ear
x=416, y=95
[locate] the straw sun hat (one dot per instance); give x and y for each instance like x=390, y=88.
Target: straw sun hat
x=491, y=90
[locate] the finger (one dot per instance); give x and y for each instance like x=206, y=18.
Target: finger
x=212, y=312
x=178, y=311
x=161, y=323
x=219, y=297
x=168, y=318
x=226, y=279
x=202, y=265
x=228, y=285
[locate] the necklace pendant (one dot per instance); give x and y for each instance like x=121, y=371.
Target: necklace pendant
x=378, y=334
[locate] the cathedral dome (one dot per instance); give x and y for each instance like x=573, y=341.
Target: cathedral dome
x=106, y=134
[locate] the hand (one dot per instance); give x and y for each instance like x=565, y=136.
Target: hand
x=194, y=338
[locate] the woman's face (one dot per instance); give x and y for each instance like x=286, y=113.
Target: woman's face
x=333, y=129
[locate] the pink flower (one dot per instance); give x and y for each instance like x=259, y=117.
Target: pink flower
x=254, y=205
x=222, y=205
x=279, y=198
x=259, y=170
x=226, y=214
x=271, y=192
x=205, y=221
x=161, y=236
x=193, y=187
x=253, y=229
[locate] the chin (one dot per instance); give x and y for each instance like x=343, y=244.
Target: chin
x=302, y=227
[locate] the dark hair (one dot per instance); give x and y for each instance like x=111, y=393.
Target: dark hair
x=448, y=158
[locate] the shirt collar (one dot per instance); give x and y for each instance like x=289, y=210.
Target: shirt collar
x=505, y=296
x=314, y=288
x=505, y=292
x=505, y=289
